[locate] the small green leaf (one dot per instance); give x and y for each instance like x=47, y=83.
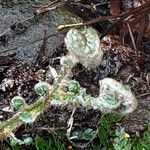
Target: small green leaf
x=105, y=131
x=83, y=134
x=107, y=120
x=121, y=142
x=103, y=135
x=48, y=144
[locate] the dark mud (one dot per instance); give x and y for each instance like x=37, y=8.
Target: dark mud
x=13, y=16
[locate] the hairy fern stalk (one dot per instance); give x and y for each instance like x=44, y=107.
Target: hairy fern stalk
x=84, y=47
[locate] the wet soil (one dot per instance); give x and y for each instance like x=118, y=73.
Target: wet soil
x=21, y=25
x=29, y=64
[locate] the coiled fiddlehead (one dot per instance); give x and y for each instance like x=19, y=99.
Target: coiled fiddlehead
x=84, y=46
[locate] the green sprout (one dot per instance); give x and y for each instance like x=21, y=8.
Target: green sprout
x=40, y=88
x=73, y=87
x=15, y=141
x=26, y=117
x=17, y=102
x=28, y=141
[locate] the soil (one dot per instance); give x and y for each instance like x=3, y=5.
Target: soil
x=27, y=65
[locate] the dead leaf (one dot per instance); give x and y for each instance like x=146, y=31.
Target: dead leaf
x=114, y=6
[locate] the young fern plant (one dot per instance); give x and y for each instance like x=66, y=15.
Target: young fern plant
x=114, y=97
x=84, y=47
x=28, y=113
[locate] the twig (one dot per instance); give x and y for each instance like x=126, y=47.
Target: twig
x=142, y=95
x=70, y=123
x=133, y=23
x=53, y=5
x=34, y=41
x=42, y=52
x=51, y=128
x=142, y=26
x=129, y=77
x=131, y=35
x=120, y=18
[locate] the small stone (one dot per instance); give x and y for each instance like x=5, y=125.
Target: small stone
x=1, y=116
x=7, y=109
x=7, y=83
